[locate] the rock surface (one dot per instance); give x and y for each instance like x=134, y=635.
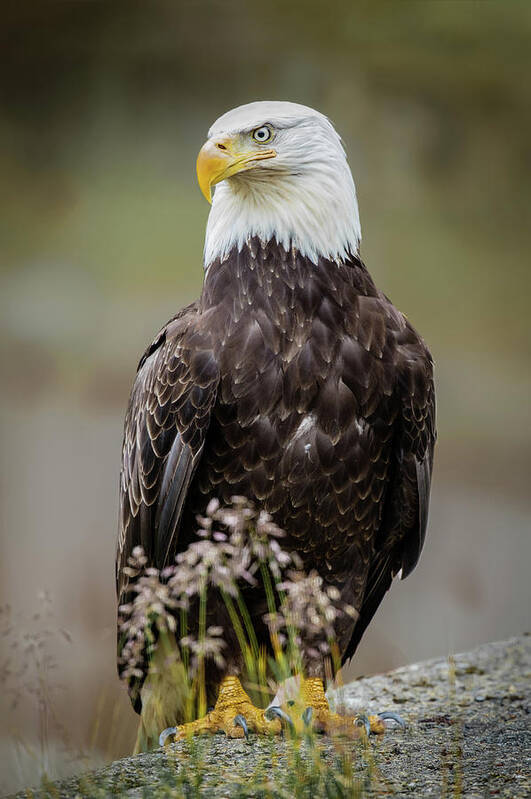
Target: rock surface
x=468, y=735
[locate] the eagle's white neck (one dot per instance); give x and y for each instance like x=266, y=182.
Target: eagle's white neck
x=313, y=210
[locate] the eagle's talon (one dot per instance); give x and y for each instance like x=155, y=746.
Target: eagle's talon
x=389, y=714
x=324, y=720
x=239, y=721
x=234, y=715
x=307, y=716
x=277, y=712
x=363, y=722
x=165, y=734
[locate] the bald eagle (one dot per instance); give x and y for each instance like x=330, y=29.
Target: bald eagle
x=292, y=381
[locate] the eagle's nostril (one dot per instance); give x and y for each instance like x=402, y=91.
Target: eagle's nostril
x=221, y=146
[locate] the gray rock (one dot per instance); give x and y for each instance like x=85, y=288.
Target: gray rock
x=467, y=735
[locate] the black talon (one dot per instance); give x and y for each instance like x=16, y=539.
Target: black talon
x=363, y=721
x=271, y=712
x=388, y=714
x=307, y=716
x=165, y=734
x=239, y=721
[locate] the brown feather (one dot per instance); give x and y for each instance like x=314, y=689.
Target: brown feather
x=300, y=386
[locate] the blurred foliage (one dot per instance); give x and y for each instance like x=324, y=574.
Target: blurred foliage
x=106, y=103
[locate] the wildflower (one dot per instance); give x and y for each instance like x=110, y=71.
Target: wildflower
x=207, y=647
x=151, y=606
x=308, y=611
x=234, y=544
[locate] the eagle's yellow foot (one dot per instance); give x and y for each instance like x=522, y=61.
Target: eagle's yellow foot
x=317, y=714
x=234, y=714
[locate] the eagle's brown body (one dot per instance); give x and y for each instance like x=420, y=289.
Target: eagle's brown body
x=301, y=387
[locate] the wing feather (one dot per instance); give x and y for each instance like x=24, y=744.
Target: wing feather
x=165, y=427
x=176, y=479
x=405, y=515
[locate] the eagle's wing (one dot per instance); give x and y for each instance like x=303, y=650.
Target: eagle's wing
x=405, y=515
x=165, y=427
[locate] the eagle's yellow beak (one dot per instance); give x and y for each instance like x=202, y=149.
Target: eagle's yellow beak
x=221, y=157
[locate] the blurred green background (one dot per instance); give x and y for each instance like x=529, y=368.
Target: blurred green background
x=104, y=107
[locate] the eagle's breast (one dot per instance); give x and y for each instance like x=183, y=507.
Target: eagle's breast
x=303, y=421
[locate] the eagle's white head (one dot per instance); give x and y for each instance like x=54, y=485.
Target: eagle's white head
x=281, y=173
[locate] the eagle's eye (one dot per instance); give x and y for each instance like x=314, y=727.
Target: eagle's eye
x=263, y=134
